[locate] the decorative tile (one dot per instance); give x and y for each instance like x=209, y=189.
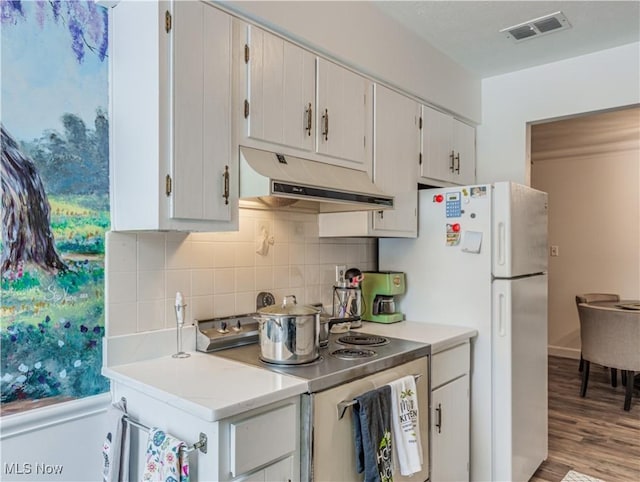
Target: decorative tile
x=220, y=276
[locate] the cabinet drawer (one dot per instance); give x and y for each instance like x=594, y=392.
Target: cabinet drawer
x=449, y=364
x=261, y=439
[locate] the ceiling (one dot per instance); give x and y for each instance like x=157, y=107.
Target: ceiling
x=468, y=31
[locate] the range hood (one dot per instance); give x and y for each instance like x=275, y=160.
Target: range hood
x=280, y=180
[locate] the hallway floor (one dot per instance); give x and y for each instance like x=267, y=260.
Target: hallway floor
x=591, y=435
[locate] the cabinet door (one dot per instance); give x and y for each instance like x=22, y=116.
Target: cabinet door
x=437, y=145
x=396, y=153
x=464, y=144
x=281, y=471
x=280, y=91
x=342, y=116
x=201, y=56
x=450, y=431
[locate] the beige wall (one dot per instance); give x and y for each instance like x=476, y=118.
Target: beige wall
x=590, y=166
x=220, y=274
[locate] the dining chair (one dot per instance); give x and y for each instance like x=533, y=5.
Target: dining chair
x=610, y=337
x=589, y=298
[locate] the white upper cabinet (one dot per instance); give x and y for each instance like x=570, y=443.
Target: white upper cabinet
x=396, y=153
x=202, y=111
x=296, y=103
x=171, y=160
x=280, y=90
x=343, y=115
x=448, y=149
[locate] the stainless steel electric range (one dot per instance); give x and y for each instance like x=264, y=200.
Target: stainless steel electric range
x=351, y=364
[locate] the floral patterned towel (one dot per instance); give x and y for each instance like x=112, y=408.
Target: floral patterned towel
x=165, y=461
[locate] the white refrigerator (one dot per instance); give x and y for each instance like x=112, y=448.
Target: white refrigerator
x=480, y=260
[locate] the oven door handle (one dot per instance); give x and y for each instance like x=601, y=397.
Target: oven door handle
x=345, y=404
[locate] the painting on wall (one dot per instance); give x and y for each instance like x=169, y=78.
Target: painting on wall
x=55, y=201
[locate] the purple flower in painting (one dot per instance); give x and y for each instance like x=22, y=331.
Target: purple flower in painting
x=83, y=329
x=86, y=22
x=47, y=319
x=102, y=50
x=55, y=6
x=10, y=11
x=13, y=338
x=75, y=29
x=92, y=344
x=97, y=330
x=40, y=12
x=17, y=5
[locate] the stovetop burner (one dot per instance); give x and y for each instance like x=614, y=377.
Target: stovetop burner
x=363, y=339
x=352, y=353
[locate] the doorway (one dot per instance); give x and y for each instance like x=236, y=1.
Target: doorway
x=590, y=167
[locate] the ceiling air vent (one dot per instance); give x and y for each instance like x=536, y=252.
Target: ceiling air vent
x=537, y=27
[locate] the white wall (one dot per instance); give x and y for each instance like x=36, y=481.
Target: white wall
x=602, y=80
x=58, y=443
x=361, y=36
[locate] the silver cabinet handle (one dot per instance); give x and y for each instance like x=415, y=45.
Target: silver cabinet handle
x=309, y=113
x=439, y=418
x=225, y=178
x=458, y=166
x=325, y=117
x=452, y=161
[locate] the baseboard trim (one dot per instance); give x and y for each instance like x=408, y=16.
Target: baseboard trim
x=564, y=352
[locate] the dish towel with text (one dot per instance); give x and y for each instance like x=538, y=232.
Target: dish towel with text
x=115, y=449
x=405, y=425
x=165, y=462
x=372, y=435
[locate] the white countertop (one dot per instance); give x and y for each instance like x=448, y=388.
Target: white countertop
x=213, y=388
x=440, y=337
x=206, y=386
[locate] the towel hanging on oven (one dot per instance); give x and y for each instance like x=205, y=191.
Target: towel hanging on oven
x=372, y=434
x=405, y=424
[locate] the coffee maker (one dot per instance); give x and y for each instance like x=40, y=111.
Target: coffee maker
x=379, y=291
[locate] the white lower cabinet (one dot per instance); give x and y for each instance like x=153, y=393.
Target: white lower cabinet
x=450, y=415
x=262, y=444
x=282, y=471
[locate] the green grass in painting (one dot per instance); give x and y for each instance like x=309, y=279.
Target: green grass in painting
x=51, y=326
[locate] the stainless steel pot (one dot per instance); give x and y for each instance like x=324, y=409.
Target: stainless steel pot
x=289, y=333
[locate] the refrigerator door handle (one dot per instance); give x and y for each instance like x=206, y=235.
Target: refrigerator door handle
x=501, y=244
x=502, y=331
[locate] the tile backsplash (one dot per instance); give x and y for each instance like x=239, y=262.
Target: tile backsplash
x=221, y=274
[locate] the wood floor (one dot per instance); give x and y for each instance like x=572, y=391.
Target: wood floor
x=591, y=435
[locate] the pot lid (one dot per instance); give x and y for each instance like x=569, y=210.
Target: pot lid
x=289, y=307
